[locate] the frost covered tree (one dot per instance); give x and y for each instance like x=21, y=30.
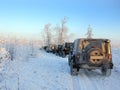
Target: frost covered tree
x=47, y=33
x=34, y=44
x=31, y=44
x=89, y=32
x=11, y=46
x=9, y=43
x=56, y=35
x=61, y=31
x=43, y=38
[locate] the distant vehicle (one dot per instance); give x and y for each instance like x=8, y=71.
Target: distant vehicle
x=50, y=48
x=66, y=48
x=91, y=54
x=58, y=50
x=54, y=48
x=44, y=47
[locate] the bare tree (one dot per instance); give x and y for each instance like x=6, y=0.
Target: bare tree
x=89, y=32
x=57, y=35
x=47, y=33
x=31, y=43
x=61, y=31
x=11, y=44
x=43, y=39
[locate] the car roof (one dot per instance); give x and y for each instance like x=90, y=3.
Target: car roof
x=92, y=39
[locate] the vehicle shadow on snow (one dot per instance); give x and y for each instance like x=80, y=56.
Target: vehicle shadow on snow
x=92, y=73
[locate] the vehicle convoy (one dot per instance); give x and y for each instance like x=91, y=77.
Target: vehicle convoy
x=58, y=50
x=66, y=48
x=50, y=48
x=91, y=54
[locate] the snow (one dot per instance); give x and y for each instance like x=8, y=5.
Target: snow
x=45, y=71
x=4, y=57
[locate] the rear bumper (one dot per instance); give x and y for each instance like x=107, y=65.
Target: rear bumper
x=91, y=66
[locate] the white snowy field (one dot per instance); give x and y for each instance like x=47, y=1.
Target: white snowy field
x=46, y=71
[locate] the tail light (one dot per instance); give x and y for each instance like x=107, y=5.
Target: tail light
x=109, y=56
x=94, y=46
x=78, y=56
x=65, y=48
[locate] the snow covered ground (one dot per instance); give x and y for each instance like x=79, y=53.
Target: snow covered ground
x=46, y=71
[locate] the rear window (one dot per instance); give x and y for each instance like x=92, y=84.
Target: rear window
x=68, y=44
x=91, y=43
x=103, y=45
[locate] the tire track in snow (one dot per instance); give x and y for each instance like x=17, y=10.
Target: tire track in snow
x=93, y=80
x=76, y=83
x=84, y=81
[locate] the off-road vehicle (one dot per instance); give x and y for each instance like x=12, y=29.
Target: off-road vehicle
x=43, y=48
x=91, y=54
x=50, y=48
x=66, y=48
x=58, y=51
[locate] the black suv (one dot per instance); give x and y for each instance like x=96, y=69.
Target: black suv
x=91, y=54
x=58, y=50
x=50, y=48
x=66, y=48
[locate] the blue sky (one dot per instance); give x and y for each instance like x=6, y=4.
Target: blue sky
x=30, y=16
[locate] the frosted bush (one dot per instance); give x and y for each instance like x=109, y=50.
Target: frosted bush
x=4, y=57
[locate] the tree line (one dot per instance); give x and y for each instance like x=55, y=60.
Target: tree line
x=59, y=34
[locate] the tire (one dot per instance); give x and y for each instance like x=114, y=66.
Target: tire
x=63, y=54
x=56, y=53
x=95, y=52
x=73, y=71
x=59, y=53
x=69, y=61
x=106, y=72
